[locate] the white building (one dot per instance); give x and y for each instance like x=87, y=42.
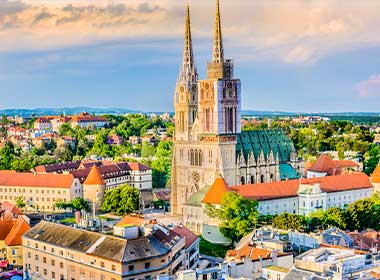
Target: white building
x=294, y=196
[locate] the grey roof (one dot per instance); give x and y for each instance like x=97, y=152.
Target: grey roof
x=296, y=274
x=96, y=244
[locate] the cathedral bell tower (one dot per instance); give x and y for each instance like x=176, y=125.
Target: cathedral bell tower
x=219, y=95
x=186, y=92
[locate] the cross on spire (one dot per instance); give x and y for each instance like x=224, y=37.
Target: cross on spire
x=218, y=52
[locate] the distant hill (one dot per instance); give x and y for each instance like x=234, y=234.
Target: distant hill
x=68, y=111
x=119, y=111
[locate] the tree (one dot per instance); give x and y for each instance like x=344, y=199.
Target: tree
x=335, y=217
x=362, y=214
x=20, y=202
x=79, y=204
x=147, y=150
x=289, y=221
x=121, y=200
x=238, y=216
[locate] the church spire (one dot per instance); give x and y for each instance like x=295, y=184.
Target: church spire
x=188, y=70
x=218, y=52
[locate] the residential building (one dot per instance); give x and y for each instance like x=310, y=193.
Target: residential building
x=54, y=251
x=301, y=197
x=43, y=123
x=114, y=173
x=40, y=191
x=332, y=263
x=325, y=166
x=208, y=137
x=11, y=232
x=191, y=246
x=115, y=139
x=85, y=120
x=274, y=272
x=248, y=261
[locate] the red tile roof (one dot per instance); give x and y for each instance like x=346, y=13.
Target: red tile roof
x=375, y=177
x=190, y=237
x=14, y=237
x=13, y=179
x=94, y=177
x=284, y=189
x=332, y=167
x=5, y=228
x=216, y=192
x=10, y=208
x=248, y=251
x=135, y=220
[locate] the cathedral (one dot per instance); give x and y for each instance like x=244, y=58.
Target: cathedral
x=208, y=139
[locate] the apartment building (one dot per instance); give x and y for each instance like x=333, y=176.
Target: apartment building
x=39, y=191
x=53, y=251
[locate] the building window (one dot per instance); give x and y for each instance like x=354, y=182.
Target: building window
x=53, y=262
x=147, y=265
x=53, y=274
x=102, y=264
x=113, y=267
x=131, y=268
x=61, y=264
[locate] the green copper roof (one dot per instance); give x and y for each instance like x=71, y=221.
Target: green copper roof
x=287, y=172
x=197, y=197
x=265, y=140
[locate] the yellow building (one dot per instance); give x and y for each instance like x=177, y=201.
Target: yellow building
x=39, y=191
x=11, y=240
x=54, y=251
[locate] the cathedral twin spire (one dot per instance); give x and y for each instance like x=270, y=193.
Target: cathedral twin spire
x=218, y=52
x=188, y=70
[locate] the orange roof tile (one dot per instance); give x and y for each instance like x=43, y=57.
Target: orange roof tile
x=283, y=189
x=5, y=228
x=248, y=251
x=94, y=177
x=13, y=179
x=216, y=192
x=135, y=220
x=10, y=207
x=14, y=237
x=324, y=164
x=375, y=177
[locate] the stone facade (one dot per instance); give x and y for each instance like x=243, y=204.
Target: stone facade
x=208, y=138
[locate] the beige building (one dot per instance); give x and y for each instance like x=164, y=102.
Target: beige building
x=53, y=251
x=39, y=191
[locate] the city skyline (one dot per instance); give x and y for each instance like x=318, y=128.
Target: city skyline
x=291, y=56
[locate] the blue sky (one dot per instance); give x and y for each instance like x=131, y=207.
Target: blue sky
x=291, y=55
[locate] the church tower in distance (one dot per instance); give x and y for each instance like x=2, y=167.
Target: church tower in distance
x=207, y=120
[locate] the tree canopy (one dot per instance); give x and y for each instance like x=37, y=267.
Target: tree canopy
x=238, y=215
x=121, y=200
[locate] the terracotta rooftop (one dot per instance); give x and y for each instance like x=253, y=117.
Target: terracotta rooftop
x=10, y=208
x=332, y=167
x=248, y=251
x=14, y=237
x=94, y=177
x=190, y=237
x=14, y=179
x=375, y=177
x=5, y=228
x=135, y=220
x=283, y=189
x=216, y=192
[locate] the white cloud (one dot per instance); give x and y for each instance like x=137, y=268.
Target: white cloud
x=292, y=31
x=369, y=87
